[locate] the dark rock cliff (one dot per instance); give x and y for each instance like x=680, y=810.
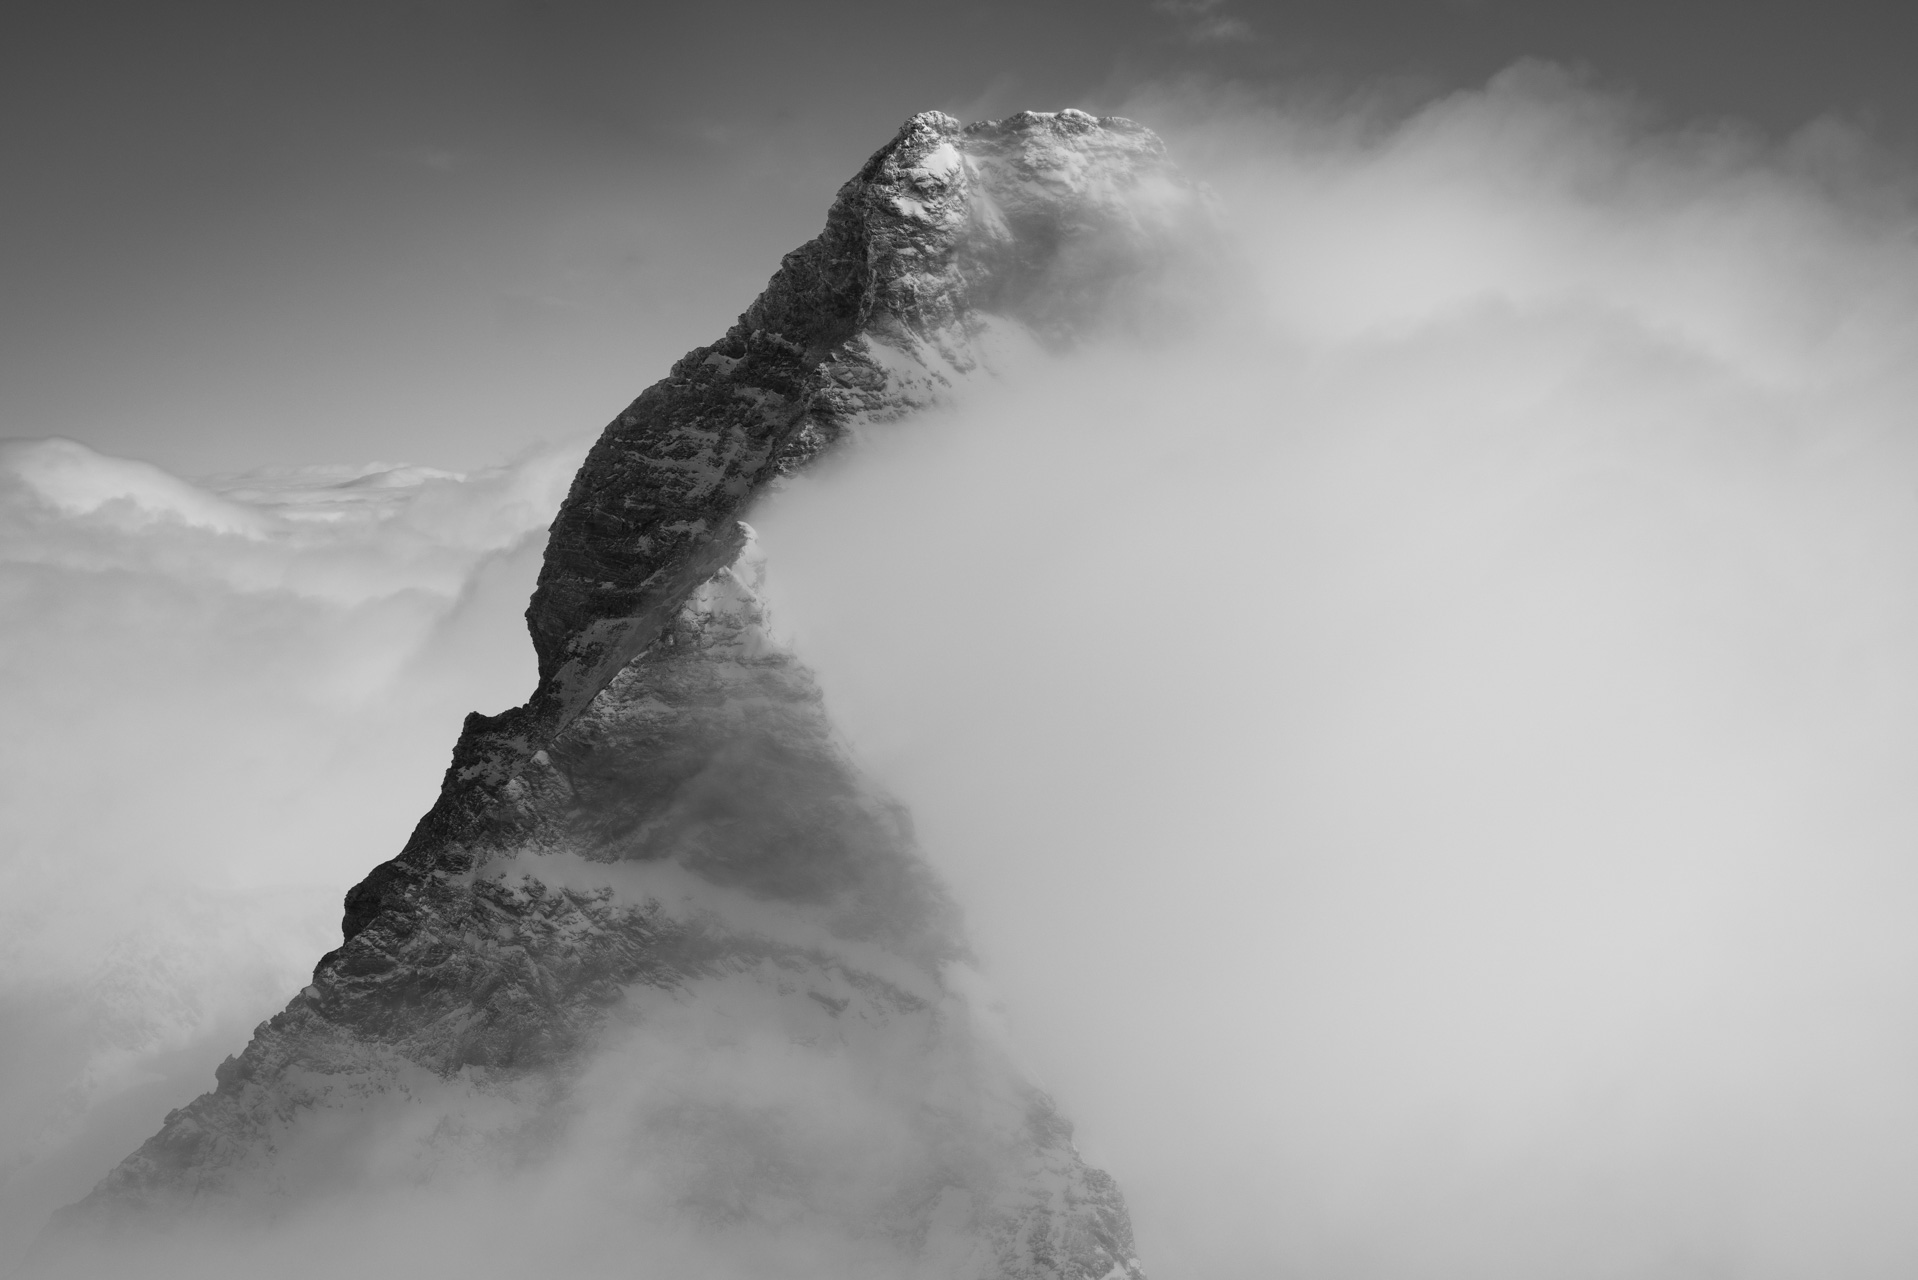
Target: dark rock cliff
x=670, y=815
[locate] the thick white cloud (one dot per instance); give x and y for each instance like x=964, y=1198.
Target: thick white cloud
x=225, y=702
x=1428, y=759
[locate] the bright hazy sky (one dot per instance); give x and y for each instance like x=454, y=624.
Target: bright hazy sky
x=435, y=231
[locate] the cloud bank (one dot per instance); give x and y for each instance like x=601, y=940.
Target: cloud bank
x=226, y=701
x=1428, y=758
x=1425, y=752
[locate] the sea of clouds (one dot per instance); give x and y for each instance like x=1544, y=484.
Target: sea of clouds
x=226, y=700
x=1425, y=751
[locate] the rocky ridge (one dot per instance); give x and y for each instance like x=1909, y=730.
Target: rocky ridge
x=669, y=828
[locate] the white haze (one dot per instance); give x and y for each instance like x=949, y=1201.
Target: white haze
x=224, y=703
x=1426, y=756
x=1430, y=759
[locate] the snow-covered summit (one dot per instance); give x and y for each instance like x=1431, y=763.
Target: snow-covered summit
x=950, y=238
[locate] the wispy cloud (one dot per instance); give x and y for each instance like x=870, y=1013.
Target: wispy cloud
x=1204, y=21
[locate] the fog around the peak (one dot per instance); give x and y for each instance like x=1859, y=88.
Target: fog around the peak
x=1428, y=759
x=1424, y=754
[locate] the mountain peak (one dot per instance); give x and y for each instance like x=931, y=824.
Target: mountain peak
x=669, y=837
x=947, y=233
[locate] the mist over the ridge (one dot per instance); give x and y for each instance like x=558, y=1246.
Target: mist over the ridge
x=1424, y=757
x=1428, y=759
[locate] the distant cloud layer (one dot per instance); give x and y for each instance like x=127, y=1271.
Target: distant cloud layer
x=225, y=702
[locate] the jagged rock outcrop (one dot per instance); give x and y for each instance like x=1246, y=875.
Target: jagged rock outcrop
x=669, y=828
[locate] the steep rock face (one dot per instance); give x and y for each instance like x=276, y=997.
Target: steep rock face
x=941, y=233
x=668, y=837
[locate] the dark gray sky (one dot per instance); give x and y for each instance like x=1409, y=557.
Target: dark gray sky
x=434, y=230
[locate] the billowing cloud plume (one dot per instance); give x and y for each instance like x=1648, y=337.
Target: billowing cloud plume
x=1425, y=751
x=1428, y=758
